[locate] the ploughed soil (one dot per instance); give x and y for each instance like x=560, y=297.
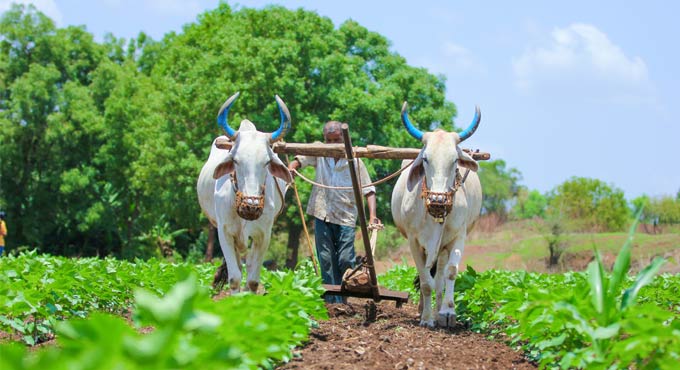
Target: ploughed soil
x=394, y=340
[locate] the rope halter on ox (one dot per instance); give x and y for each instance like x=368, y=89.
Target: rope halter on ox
x=248, y=207
x=439, y=204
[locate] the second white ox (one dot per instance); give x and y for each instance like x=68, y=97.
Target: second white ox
x=434, y=205
x=242, y=190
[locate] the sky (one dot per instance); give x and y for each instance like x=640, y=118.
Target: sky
x=571, y=88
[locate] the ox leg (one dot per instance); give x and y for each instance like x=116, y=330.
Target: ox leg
x=254, y=262
x=232, y=258
x=446, y=316
x=442, y=260
x=426, y=284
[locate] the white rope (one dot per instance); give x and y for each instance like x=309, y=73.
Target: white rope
x=385, y=179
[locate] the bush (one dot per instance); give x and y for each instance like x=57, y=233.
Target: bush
x=665, y=210
x=592, y=204
x=529, y=204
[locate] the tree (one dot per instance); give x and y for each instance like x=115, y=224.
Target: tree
x=499, y=186
x=43, y=74
x=590, y=204
x=81, y=125
x=529, y=204
x=665, y=210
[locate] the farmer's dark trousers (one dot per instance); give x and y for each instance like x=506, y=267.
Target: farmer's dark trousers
x=335, y=249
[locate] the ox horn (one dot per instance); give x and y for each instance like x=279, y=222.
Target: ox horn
x=473, y=126
x=407, y=123
x=222, y=116
x=285, y=121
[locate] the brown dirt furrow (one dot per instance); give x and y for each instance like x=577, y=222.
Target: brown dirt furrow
x=396, y=341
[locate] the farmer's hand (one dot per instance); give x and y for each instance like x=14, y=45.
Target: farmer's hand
x=292, y=166
x=375, y=221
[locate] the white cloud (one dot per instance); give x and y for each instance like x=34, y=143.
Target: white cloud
x=49, y=7
x=450, y=59
x=458, y=57
x=581, y=53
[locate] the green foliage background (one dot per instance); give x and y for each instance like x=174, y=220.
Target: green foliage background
x=103, y=142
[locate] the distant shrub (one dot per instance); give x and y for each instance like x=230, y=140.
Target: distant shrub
x=665, y=209
x=529, y=204
x=590, y=204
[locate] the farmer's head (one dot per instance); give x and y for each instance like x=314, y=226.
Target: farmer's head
x=332, y=133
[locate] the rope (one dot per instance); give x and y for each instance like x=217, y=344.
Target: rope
x=304, y=225
x=385, y=179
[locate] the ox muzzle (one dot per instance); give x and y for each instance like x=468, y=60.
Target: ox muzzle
x=248, y=207
x=440, y=204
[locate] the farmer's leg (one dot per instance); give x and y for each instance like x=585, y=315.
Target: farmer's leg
x=325, y=251
x=345, y=248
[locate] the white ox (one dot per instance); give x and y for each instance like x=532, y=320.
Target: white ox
x=435, y=214
x=242, y=190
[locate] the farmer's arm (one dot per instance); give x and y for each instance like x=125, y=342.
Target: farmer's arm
x=372, y=215
x=369, y=193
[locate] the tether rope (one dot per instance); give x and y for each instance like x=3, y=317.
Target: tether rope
x=385, y=179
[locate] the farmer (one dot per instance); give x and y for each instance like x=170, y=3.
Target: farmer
x=3, y=232
x=334, y=210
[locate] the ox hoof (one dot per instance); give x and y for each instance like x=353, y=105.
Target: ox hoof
x=427, y=323
x=253, y=285
x=446, y=319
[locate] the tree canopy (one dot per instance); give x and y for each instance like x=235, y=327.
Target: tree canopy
x=500, y=186
x=103, y=142
x=590, y=203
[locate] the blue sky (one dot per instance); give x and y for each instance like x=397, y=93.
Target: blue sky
x=577, y=88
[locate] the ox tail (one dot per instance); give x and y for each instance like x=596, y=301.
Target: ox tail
x=221, y=276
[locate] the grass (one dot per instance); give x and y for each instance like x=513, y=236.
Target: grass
x=521, y=244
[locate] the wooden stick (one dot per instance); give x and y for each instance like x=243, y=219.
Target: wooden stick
x=360, y=211
x=304, y=227
x=338, y=150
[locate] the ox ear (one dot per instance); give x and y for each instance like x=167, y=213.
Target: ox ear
x=417, y=171
x=465, y=161
x=224, y=168
x=277, y=168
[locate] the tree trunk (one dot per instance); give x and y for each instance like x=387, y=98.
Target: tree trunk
x=293, y=248
x=211, y=243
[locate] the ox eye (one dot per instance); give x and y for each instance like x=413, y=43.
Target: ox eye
x=267, y=163
x=425, y=160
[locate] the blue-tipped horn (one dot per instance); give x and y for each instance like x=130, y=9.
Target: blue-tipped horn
x=285, y=121
x=224, y=112
x=407, y=123
x=473, y=126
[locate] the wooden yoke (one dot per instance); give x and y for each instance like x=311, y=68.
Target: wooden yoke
x=338, y=150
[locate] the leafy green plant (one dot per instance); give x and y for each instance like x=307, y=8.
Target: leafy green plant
x=580, y=320
x=189, y=329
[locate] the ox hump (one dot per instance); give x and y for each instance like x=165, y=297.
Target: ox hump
x=246, y=125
